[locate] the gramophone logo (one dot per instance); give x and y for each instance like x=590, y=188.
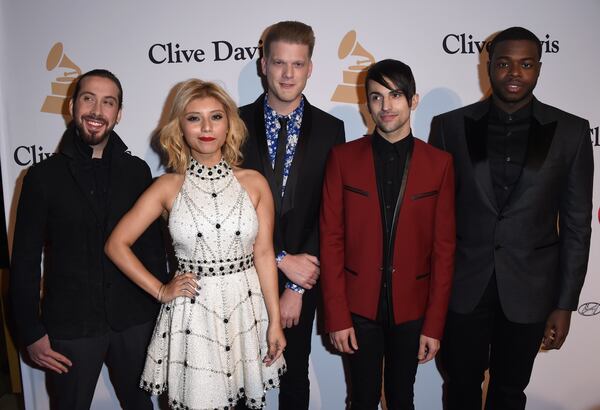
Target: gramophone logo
x=55, y=103
x=352, y=88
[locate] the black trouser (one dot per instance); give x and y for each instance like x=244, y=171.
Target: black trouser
x=397, y=346
x=484, y=339
x=294, y=390
x=124, y=354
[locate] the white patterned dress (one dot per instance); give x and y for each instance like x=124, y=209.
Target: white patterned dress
x=208, y=351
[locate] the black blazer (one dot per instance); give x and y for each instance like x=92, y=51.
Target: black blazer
x=297, y=218
x=82, y=288
x=538, y=243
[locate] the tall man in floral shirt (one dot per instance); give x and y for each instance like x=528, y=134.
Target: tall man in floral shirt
x=289, y=141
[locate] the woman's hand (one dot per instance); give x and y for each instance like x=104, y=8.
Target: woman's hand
x=181, y=285
x=276, y=342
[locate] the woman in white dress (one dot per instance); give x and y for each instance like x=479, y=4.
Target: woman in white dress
x=218, y=338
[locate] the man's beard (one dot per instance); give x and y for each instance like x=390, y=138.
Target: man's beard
x=94, y=138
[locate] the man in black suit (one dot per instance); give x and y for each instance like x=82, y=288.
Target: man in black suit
x=90, y=312
x=524, y=199
x=288, y=143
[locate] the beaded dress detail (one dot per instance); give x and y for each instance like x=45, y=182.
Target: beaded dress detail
x=208, y=351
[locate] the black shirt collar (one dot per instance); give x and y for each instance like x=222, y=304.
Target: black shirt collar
x=383, y=146
x=522, y=115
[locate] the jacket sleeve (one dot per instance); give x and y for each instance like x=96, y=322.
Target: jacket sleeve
x=436, y=134
x=442, y=258
x=575, y=213
x=25, y=272
x=340, y=137
x=333, y=285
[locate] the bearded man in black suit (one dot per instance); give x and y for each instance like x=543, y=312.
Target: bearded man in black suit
x=90, y=312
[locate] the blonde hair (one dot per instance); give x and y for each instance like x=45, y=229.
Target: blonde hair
x=171, y=138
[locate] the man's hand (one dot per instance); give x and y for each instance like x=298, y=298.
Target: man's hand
x=428, y=348
x=290, y=305
x=344, y=340
x=42, y=354
x=302, y=269
x=557, y=329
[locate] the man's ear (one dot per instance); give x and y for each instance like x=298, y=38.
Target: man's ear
x=414, y=101
x=263, y=65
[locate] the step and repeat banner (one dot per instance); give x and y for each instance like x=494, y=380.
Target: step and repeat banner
x=151, y=46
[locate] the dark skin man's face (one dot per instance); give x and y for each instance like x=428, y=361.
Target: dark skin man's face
x=514, y=69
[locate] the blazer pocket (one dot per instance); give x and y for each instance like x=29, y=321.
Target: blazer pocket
x=424, y=195
x=356, y=190
x=423, y=276
x=350, y=271
x=546, y=246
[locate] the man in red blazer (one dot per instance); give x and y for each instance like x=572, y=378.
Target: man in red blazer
x=387, y=245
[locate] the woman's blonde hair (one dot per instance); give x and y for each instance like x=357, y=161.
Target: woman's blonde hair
x=171, y=138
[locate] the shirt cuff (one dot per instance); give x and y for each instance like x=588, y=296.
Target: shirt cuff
x=296, y=288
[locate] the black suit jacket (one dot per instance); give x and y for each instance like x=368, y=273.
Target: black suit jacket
x=56, y=214
x=297, y=217
x=538, y=243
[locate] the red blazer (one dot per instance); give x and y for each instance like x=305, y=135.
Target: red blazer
x=352, y=239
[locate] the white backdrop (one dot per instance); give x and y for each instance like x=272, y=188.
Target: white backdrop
x=438, y=39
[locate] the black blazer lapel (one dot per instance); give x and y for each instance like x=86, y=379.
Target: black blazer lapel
x=263, y=150
x=538, y=145
x=476, y=138
x=298, y=160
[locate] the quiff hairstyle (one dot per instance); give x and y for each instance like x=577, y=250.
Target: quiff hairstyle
x=171, y=138
x=293, y=32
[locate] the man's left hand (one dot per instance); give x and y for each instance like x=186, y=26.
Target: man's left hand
x=428, y=348
x=557, y=329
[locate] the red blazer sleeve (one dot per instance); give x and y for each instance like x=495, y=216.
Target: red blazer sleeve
x=442, y=258
x=333, y=284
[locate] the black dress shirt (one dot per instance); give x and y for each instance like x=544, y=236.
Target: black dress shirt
x=390, y=160
x=507, y=147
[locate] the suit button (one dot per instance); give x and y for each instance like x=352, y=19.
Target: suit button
x=498, y=247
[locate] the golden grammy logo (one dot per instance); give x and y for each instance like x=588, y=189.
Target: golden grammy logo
x=55, y=103
x=352, y=89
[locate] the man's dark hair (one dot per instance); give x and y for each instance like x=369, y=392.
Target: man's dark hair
x=293, y=32
x=515, y=33
x=99, y=72
x=394, y=75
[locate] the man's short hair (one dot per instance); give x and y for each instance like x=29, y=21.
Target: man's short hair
x=515, y=33
x=98, y=72
x=394, y=75
x=293, y=32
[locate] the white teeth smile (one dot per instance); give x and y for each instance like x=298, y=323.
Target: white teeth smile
x=95, y=123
